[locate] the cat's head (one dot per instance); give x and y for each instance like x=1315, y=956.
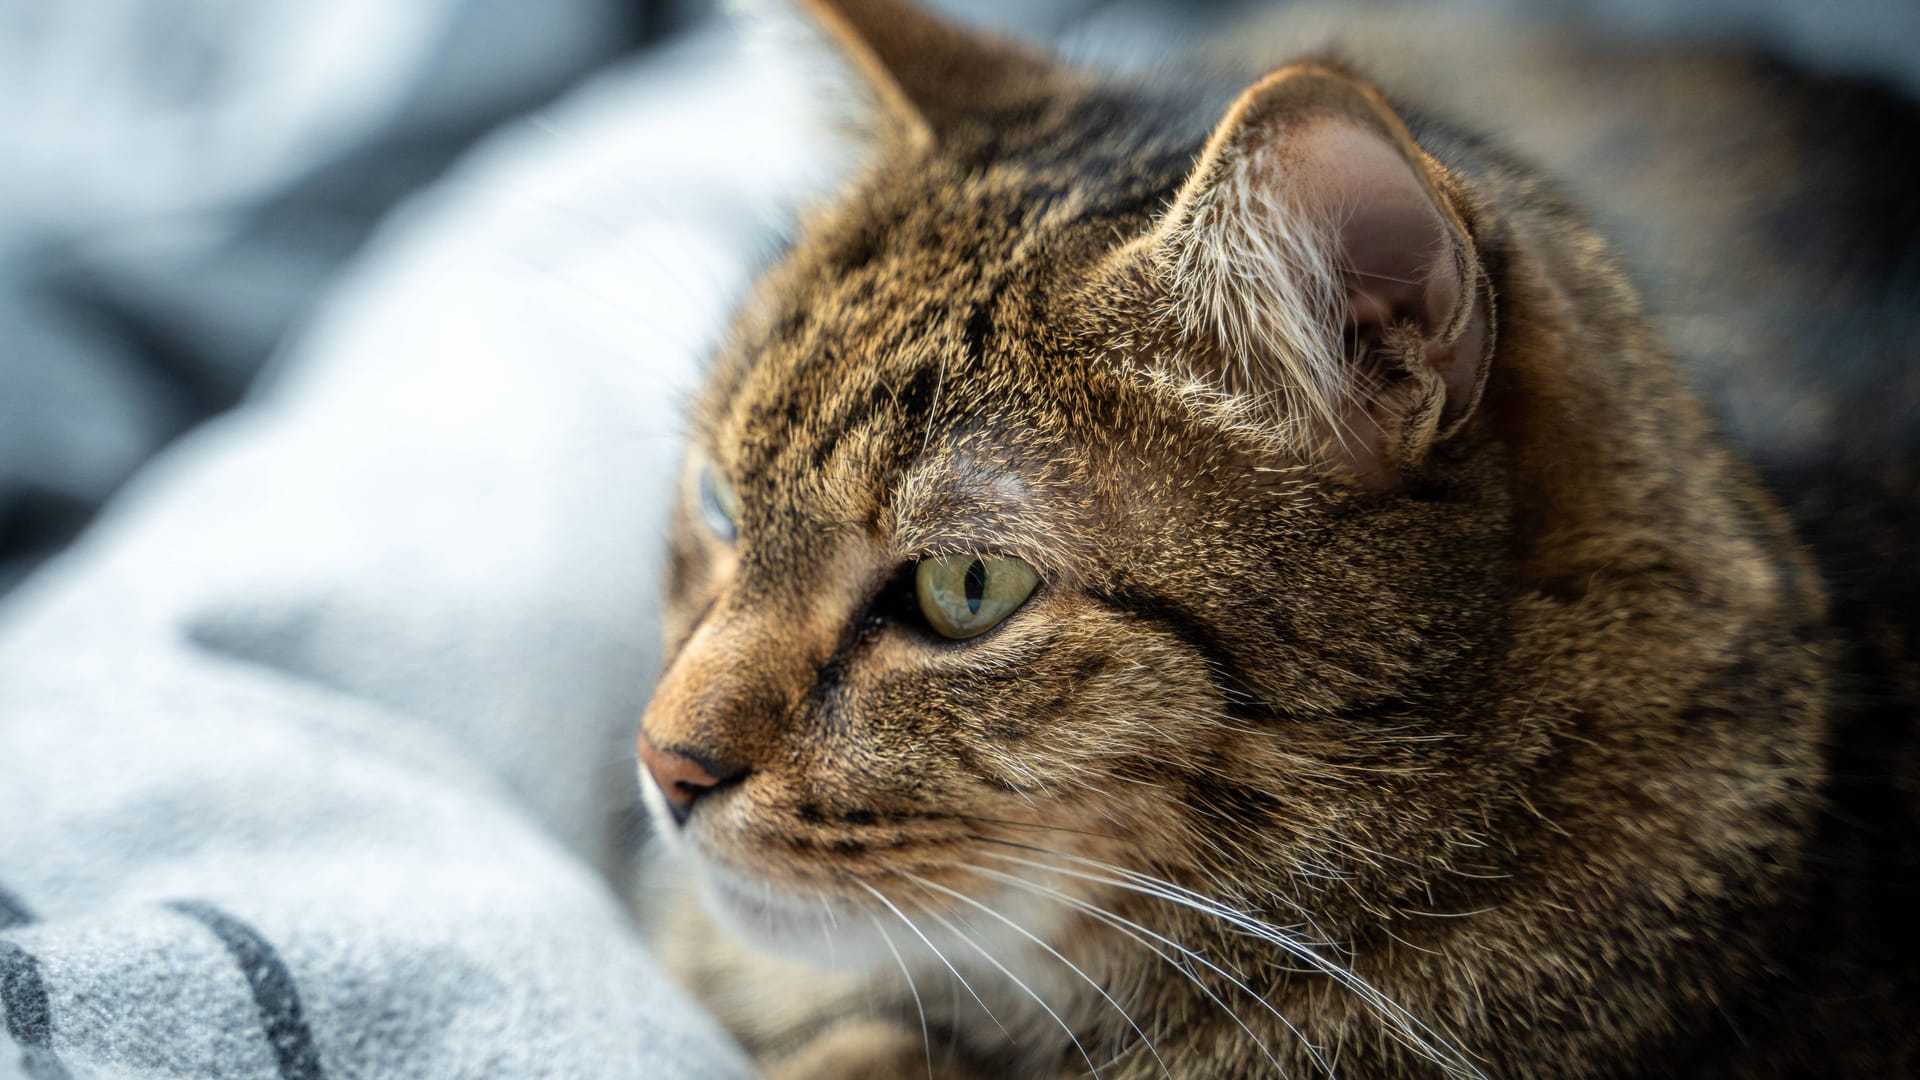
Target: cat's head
x=1099, y=480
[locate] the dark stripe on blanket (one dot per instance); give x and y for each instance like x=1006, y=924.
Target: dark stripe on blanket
x=23, y=998
x=12, y=911
x=273, y=990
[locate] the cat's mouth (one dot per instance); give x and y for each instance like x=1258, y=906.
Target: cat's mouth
x=936, y=895
x=918, y=912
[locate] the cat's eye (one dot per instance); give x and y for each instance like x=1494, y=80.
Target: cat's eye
x=718, y=504
x=967, y=595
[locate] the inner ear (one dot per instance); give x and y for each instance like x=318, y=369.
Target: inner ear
x=1391, y=246
x=1319, y=270
x=1405, y=274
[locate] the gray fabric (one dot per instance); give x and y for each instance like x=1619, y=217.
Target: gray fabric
x=353, y=672
x=180, y=179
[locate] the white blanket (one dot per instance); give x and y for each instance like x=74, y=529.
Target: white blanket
x=315, y=754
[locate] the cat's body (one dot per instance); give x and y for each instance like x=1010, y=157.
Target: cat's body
x=1484, y=714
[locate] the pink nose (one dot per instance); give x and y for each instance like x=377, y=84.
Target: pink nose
x=683, y=777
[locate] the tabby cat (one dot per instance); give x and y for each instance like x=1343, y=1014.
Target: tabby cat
x=1179, y=578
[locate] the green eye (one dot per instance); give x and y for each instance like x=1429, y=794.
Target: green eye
x=966, y=595
x=718, y=504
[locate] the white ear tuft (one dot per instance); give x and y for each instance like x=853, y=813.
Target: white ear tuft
x=1313, y=266
x=1253, y=271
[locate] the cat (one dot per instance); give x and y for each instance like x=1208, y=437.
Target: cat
x=1188, y=578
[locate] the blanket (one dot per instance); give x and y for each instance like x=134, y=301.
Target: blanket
x=315, y=753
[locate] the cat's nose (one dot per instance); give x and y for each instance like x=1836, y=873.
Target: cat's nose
x=684, y=777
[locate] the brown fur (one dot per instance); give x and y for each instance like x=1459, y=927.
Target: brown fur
x=1530, y=737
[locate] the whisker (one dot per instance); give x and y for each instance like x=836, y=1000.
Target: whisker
x=1030, y=936
x=939, y=382
x=1401, y=1022
x=1016, y=980
x=926, y=1040
x=928, y=942
x=1036, y=825
x=1178, y=893
x=1134, y=930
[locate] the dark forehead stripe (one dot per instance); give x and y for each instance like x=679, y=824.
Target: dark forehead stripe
x=905, y=399
x=909, y=397
x=980, y=327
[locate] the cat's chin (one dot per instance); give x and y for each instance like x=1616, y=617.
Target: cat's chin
x=835, y=934
x=813, y=930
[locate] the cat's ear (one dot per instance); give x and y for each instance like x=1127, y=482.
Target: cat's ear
x=1319, y=265
x=924, y=73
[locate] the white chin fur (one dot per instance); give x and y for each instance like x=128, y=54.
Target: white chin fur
x=657, y=812
x=843, y=935
x=813, y=930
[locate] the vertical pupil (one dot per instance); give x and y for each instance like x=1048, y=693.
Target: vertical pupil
x=976, y=585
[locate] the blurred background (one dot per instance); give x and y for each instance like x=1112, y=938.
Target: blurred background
x=181, y=181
